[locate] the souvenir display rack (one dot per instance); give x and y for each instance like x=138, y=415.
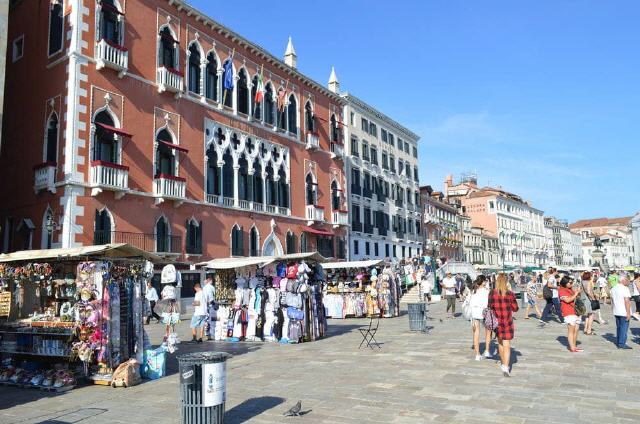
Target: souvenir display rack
x=361, y=289
x=73, y=314
x=277, y=299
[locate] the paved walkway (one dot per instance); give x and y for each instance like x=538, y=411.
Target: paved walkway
x=414, y=378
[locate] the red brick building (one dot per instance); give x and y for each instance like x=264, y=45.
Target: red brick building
x=118, y=128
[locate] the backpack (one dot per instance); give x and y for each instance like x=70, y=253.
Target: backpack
x=547, y=293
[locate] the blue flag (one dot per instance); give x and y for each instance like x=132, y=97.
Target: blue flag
x=228, y=75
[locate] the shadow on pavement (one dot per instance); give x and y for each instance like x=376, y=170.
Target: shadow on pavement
x=250, y=408
x=611, y=338
x=75, y=416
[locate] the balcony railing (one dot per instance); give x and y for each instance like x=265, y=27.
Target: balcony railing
x=313, y=140
x=44, y=177
x=337, y=151
x=270, y=209
x=169, y=186
x=382, y=231
x=227, y=201
x=109, y=176
x=366, y=192
x=147, y=242
x=315, y=213
x=400, y=234
x=356, y=226
x=169, y=80
x=368, y=228
x=111, y=56
x=340, y=217
x=284, y=211
x=213, y=198
x=356, y=189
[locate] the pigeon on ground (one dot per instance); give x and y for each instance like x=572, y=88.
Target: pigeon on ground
x=295, y=411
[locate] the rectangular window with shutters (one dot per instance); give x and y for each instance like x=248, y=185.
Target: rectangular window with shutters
x=385, y=161
x=364, y=125
x=56, y=28
x=373, y=129
x=367, y=249
x=383, y=135
x=356, y=247
x=374, y=156
x=375, y=249
x=391, y=140
x=415, y=152
x=354, y=147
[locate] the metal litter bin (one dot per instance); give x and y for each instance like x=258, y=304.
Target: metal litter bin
x=417, y=316
x=203, y=380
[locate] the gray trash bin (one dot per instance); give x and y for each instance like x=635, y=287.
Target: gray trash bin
x=203, y=378
x=417, y=316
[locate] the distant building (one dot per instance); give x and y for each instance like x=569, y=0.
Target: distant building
x=635, y=228
x=442, y=226
x=615, y=235
x=479, y=247
x=564, y=248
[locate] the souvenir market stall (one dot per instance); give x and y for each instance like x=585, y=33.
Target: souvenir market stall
x=71, y=314
x=277, y=299
x=361, y=288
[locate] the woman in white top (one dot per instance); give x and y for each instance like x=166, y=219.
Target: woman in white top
x=478, y=303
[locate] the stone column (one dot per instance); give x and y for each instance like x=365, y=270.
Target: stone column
x=220, y=180
x=236, y=189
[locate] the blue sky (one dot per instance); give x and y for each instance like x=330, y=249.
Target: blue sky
x=541, y=97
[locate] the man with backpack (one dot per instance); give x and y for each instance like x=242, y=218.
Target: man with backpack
x=550, y=295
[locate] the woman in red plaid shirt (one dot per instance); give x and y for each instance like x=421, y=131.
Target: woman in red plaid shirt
x=503, y=302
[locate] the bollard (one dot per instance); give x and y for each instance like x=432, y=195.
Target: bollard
x=203, y=377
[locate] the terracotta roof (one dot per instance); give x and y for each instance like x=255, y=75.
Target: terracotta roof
x=480, y=193
x=600, y=222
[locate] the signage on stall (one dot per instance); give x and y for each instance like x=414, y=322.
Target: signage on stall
x=214, y=384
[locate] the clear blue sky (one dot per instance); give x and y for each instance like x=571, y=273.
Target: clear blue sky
x=541, y=97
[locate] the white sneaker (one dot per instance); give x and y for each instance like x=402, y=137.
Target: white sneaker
x=478, y=357
x=505, y=370
x=487, y=354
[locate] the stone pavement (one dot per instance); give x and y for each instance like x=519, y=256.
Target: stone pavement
x=413, y=378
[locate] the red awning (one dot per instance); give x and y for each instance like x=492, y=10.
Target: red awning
x=174, y=146
x=113, y=130
x=317, y=231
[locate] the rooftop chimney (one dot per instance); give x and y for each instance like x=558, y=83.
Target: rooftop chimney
x=334, y=84
x=448, y=182
x=290, y=56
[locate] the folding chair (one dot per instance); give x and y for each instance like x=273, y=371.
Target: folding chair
x=369, y=333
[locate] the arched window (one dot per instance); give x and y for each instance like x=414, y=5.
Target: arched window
x=253, y=242
x=309, y=118
x=310, y=190
x=303, y=243
x=213, y=172
x=269, y=105
x=291, y=242
x=242, y=91
x=227, y=95
x=257, y=182
x=257, y=105
x=162, y=235
x=165, y=157
x=227, y=175
x=283, y=189
x=167, y=49
x=194, y=237
x=270, y=186
x=211, y=78
x=334, y=128
x=56, y=27
x=105, y=142
x=237, y=242
x=102, y=228
x=51, y=145
x=110, y=29
x=282, y=109
x=336, y=199
x=292, y=115
x=243, y=179
x=194, y=68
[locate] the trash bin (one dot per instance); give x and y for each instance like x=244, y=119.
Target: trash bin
x=417, y=316
x=203, y=378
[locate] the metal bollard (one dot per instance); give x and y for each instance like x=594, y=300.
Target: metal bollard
x=203, y=379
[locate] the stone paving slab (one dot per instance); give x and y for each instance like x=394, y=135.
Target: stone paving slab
x=413, y=378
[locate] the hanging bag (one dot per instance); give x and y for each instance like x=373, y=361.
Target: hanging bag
x=466, y=308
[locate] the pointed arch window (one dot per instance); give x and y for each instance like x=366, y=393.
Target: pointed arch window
x=227, y=175
x=291, y=242
x=51, y=145
x=336, y=196
x=283, y=189
x=110, y=22
x=304, y=248
x=237, y=246
x=281, y=113
x=242, y=91
x=269, y=105
x=253, y=242
x=270, y=186
x=310, y=190
x=213, y=172
x=162, y=235
x=334, y=128
x=165, y=155
x=211, y=78
x=292, y=115
x=257, y=107
x=194, y=237
x=105, y=142
x=56, y=27
x=257, y=182
x=309, y=118
x=227, y=94
x=194, y=68
x=167, y=49
x=102, y=228
x=243, y=179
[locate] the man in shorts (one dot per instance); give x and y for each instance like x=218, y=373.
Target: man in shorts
x=199, y=318
x=449, y=286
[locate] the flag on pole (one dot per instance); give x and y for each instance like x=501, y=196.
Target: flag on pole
x=228, y=74
x=260, y=86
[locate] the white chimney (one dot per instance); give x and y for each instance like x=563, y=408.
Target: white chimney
x=290, y=56
x=334, y=84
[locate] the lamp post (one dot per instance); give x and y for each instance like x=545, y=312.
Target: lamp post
x=433, y=246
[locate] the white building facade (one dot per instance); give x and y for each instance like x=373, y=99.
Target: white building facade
x=381, y=164
x=635, y=234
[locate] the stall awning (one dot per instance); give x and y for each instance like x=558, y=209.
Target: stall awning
x=230, y=263
x=174, y=146
x=317, y=231
x=117, y=250
x=352, y=264
x=113, y=130
x=308, y=256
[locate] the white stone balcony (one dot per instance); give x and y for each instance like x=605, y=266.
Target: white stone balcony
x=339, y=218
x=169, y=187
x=109, y=55
x=109, y=176
x=44, y=177
x=337, y=151
x=169, y=80
x=313, y=140
x=315, y=213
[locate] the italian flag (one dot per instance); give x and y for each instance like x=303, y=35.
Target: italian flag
x=260, y=87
